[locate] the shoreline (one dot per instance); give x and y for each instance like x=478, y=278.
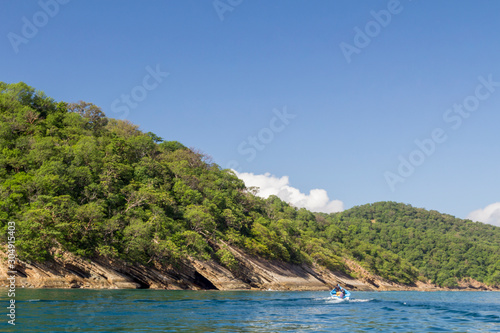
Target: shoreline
x=67, y=271
x=253, y=290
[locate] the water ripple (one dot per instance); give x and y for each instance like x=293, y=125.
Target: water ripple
x=188, y=311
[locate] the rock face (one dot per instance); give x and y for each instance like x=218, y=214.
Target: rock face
x=69, y=271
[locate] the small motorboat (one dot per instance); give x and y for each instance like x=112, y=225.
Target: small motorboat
x=338, y=295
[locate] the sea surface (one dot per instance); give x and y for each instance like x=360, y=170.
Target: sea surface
x=51, y=310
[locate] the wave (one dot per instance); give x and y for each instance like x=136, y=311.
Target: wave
x=355, y=300
x=442, y=308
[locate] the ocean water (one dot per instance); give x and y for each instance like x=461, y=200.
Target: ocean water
x=51, y=310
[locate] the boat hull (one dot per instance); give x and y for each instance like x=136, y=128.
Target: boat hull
x=345, y=298
x=341, y=299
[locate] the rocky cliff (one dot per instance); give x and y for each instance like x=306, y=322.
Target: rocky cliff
x=69, y=271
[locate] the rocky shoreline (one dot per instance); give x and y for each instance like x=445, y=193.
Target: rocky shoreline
x=253, y=273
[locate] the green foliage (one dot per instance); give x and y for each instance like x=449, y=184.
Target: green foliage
x=75, y=180
x=227, y=259
x=171, y=146
x=442, y=247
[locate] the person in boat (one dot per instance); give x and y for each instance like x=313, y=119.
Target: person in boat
x=337, y=290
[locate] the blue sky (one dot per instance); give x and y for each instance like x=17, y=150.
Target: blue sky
x=328, y=95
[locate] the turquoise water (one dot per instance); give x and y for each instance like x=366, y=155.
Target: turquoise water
x=214, y=311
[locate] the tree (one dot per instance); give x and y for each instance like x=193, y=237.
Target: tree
x=96, y=119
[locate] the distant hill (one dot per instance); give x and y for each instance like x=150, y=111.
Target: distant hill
x=76, y=181
x=442, y=247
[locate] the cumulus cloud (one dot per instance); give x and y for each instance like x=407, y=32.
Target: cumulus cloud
x=317, y=200
x=490, y=214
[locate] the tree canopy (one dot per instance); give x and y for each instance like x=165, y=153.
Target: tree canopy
x=442, y=247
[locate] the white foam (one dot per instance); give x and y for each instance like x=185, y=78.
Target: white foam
x=336, y=300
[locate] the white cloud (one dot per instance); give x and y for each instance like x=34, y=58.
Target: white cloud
x=490, y=214
x=317, y=200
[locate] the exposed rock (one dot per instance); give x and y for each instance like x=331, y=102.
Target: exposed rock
x=69, y=271
x=471, y=284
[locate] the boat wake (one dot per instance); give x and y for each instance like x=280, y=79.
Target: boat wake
x=361, y=300
x=352, y=300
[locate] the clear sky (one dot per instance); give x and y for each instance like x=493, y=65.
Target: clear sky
x=294, y=95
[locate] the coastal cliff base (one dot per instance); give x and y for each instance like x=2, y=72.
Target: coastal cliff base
x=69, y=271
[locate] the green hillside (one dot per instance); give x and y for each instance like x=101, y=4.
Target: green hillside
x=442, y=247
x=75, y=180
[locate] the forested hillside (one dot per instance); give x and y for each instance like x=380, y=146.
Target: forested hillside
x=442, y=247
x=75, y=180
